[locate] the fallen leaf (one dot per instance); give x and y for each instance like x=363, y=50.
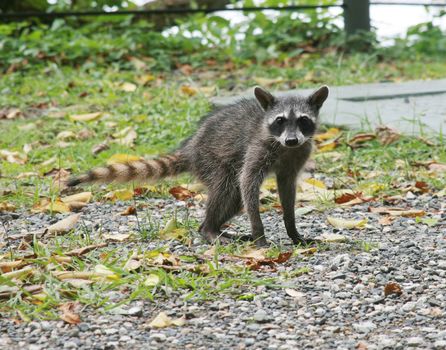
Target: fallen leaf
x=18, y=274
x=316, y=183
x=294, y=293
x=437, y=167
x=258, y=254
x=66, y=135
x=303, y=211
x=13, y=157
x=387, y=135
x=331, y=238
x=386, y=220
x=329, y=134
x=5, y=206
x=69, y=313
x=8, y=266
x=188, y=90
x=128, y=87
x=392, y=288
x=268, y=81
x=397, y=211
x=121, y=195
x=126, y=136
x=163, y=321
x=77, y=282
x=64, y=225
x=327, y=146
x=347, y=224
x=129, y=211
x=121, y=158
x=305, y=251
x=181, y=193
x=152, y=280
x=118, y=237
x=359, y=139
x=83, y=197
x=96, y=149
x=55, y=206
x=84, y=250
x=86, y=117
x=132, y=264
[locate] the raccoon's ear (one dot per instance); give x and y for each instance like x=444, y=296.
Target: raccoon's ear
x=318, y=97
x=265, y=99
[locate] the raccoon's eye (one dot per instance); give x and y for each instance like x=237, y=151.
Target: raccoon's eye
x=280, y=120
x=306, y=125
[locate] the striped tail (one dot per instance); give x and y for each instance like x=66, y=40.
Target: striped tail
x=140, y=170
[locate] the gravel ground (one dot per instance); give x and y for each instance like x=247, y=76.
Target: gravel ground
x=339, y=304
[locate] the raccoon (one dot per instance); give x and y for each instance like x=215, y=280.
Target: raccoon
x=232, y=151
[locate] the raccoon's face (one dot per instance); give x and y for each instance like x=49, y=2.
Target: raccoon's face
x=291, y=121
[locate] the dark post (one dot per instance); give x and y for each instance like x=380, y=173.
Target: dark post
x=356, y=16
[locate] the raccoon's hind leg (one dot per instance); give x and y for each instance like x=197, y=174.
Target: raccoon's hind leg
x=224, y=202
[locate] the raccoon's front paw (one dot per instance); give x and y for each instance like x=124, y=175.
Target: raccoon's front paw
x=304, y=241
x=261, y=242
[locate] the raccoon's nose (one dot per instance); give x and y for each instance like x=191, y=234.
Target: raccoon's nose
x=292, y=141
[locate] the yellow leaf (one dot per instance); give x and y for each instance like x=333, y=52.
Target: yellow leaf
x=316, y=183
x=188, y=90
x=329, y=134
x=152, y=280
x=327, y=146
x=348, y=224
x=163, y=321
x=122, y=195
x=268, y=81
x=121, y=158
x=86, y=117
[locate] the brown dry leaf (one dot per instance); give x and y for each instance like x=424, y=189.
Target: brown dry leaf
x=393, y=288
x=18, y=274
x=386, y=220
x=387, y=135
x=64, y=225
x=84, y=250
x=8, y=266
x=129, y=211
x=86, y=117
x=258, y=254
x=181, y=193
x=10, y=113
x=96, y=149
x=118, y=237
x=347, y=197
x=10, y=291
x=398, y=211
x=5, y=206
x=121, y=158
x=361, y=346
x=186, y=69
x=13, y=157
x=359, y=139
x=69, y=313
x=188, y=90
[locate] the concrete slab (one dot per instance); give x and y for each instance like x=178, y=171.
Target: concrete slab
x=411, y=107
